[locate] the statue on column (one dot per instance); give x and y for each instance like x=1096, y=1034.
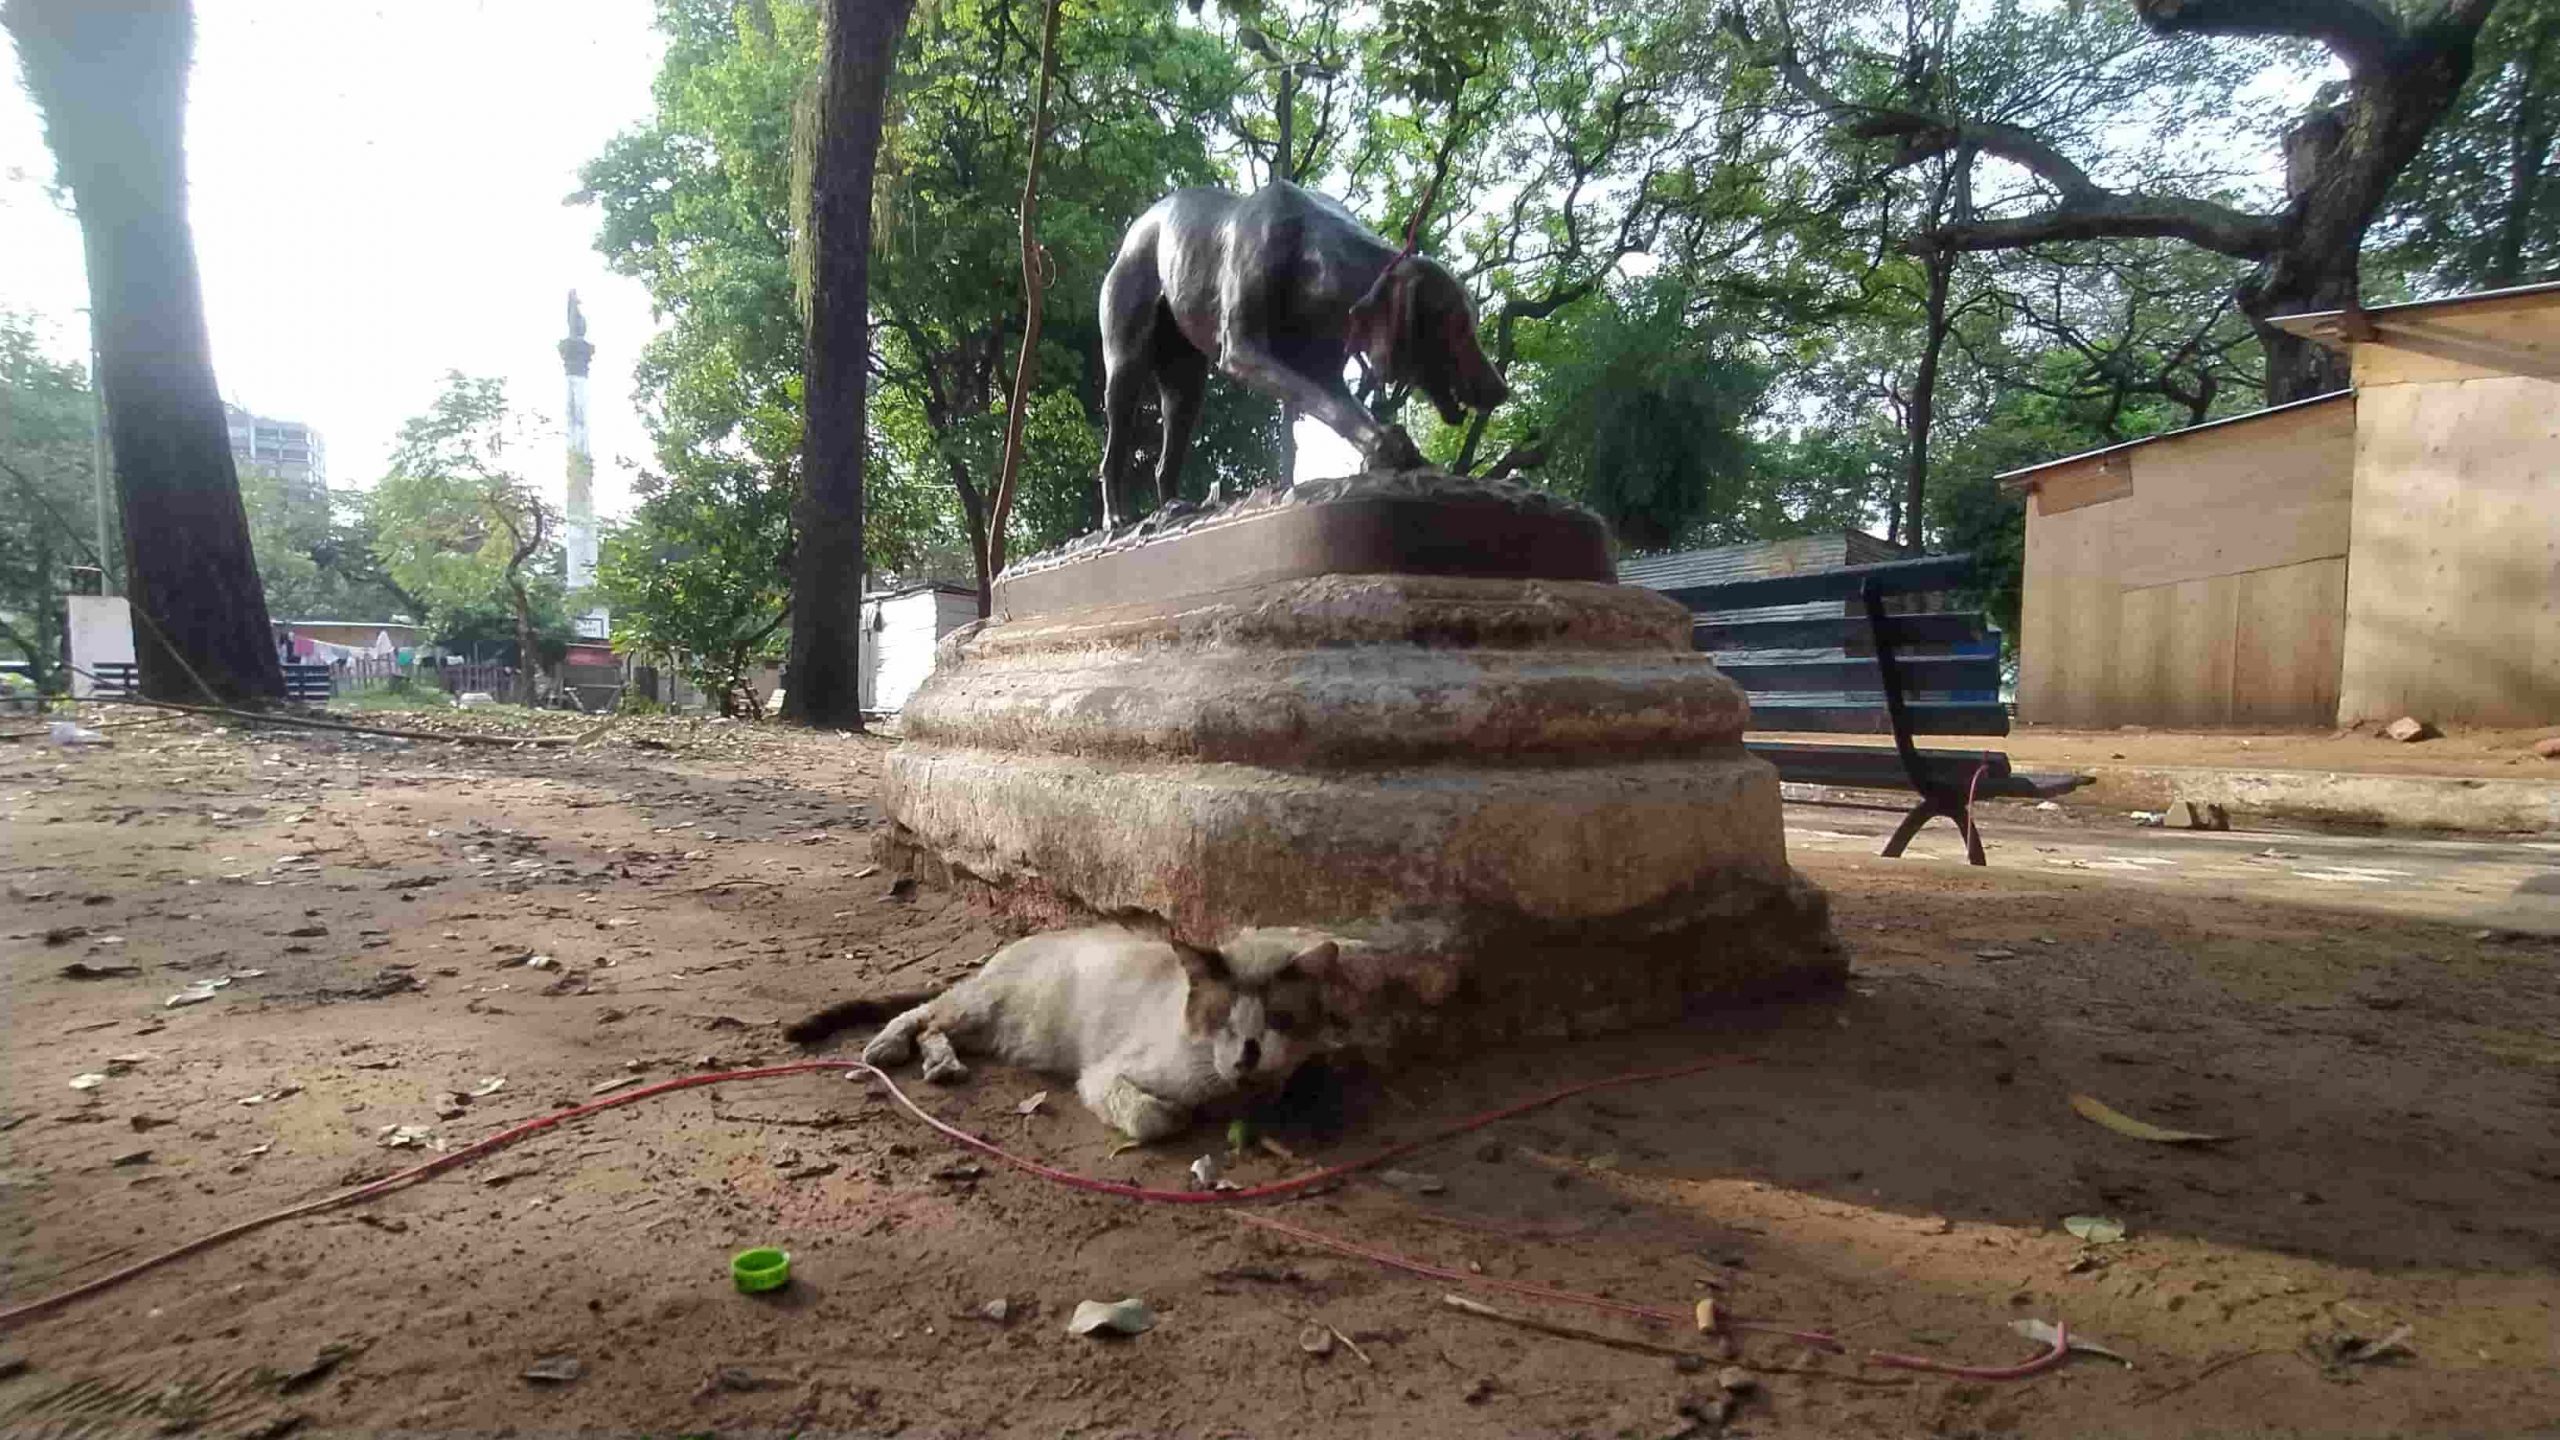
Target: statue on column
x=1277, y=289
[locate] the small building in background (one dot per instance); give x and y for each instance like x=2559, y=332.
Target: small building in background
x=2193, y=578
x=900, y=629
x=2386, y=551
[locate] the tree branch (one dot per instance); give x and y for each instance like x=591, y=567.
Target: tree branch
x=2362, y=33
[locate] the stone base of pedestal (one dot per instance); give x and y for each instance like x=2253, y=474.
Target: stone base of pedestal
x=1521, y=801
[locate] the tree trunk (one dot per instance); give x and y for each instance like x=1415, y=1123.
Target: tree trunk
x=1920, y=415
x=111, y=82
x=859, y=53
x=527, y=655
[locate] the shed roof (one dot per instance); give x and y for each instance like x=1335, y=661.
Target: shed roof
x=2338, y=327
x=2025, y=476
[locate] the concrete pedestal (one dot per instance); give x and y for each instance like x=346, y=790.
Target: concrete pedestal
x=1520, y=797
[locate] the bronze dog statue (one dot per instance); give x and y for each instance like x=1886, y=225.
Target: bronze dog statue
x=1278, y=289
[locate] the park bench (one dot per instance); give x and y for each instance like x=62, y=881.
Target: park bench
x=1819, y=651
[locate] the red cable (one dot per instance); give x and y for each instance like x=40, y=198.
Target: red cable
x=402, y=1179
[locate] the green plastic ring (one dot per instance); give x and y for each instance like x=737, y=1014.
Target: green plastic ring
x=761, y=1269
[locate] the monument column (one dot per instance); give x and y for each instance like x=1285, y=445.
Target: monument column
x=1408, y=709
x=579, y=513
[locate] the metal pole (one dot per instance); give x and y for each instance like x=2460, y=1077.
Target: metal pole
x=1286, y=170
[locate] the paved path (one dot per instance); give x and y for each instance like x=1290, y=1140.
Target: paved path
x=2492, y=884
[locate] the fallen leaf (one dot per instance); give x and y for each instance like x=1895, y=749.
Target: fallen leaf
x=2096, y=1229
x=1995, y=954
x=1316, y=1340
x=330, y=1357
x=2126, y=1125
x=555, y=1369
x=1125, y=1317
x=197, y=996
x=1032, y=1105
x=490, y=1086
x=132, y=1157
x=997, y=1310
x=83, y=970
x=90, y=1081
x=1204, y=1173
x=606, y=1087
x=1412, y=1182
x=405, y=1137
x=2046, y=1334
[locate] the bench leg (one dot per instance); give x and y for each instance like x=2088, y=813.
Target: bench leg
x=1927, y=810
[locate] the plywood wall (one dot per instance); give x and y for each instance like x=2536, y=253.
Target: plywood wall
x=2197, y=580
x=2453, y=597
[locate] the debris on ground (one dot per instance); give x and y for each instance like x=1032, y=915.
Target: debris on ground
x=2045, y=1332
x=1031, y=1106
x=2126, y=1125
x=1412, y=1182
x=2548, y=747
x=83, y=970
x=1121, y=1317
x=2344, y=1348
x=1316, y=1340
x=329, y=1358
x=996, y=1311
x=2196, y=815
x=89, y=1081
x=555, y=1369
x=2409, y=730
x=2096, y=1229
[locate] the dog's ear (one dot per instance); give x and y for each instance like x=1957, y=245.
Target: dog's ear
x=1202, y=966
x=1379, y=328
x=1315, y=959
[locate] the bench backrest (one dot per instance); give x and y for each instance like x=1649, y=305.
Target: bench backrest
x=308, y=682
x=1823, y=673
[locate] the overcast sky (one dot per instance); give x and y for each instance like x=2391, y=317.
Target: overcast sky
x=377, y=191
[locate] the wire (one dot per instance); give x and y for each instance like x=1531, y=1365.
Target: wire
x=402, y=1179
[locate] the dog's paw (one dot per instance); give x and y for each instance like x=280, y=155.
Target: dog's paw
x=942, y=1064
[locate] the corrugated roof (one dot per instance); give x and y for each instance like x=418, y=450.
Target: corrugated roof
x=2329, y=325
x=2023, y=476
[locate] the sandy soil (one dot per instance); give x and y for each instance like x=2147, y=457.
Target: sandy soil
x=1895, y=1166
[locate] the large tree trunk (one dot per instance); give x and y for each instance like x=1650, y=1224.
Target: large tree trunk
x=111, y=81
x=860, y=51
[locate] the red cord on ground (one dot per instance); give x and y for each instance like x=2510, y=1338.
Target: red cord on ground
x=1276, y=1190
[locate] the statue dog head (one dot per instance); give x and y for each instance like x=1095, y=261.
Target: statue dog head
x=1417, y=327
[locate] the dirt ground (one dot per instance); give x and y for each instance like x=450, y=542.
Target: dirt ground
x=2469, y=753
x=1894, y=1166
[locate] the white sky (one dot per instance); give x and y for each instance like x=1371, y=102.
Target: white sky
x=376, y=198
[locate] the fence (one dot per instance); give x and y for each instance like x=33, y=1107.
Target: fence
x=490, y=678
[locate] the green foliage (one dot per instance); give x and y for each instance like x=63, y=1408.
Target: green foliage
x=316, y=561
x=1643, y=412
x=459, y=528
x=698, y=579
x=48, y=495
x=2480, y=207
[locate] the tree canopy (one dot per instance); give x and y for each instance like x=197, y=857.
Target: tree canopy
x=1749, y=270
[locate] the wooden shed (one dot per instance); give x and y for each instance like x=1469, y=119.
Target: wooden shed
x=2193, y=578
x=2453, y=570
x=2384, y=551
